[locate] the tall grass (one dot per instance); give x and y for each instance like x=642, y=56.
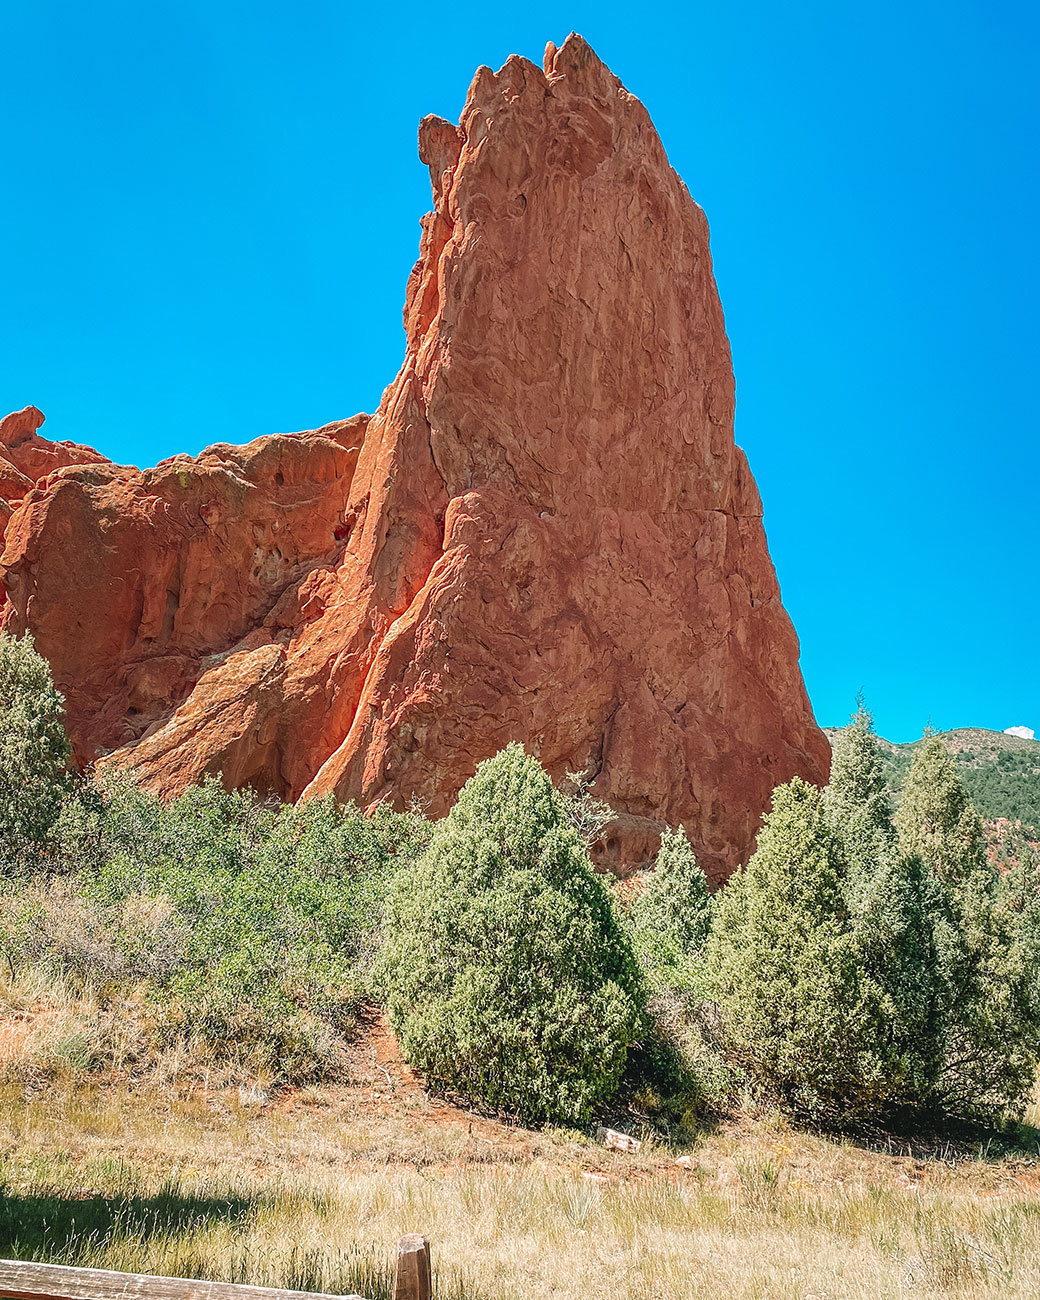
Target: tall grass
x=316, y=1197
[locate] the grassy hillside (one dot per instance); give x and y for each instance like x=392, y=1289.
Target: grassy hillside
x=1001, y=772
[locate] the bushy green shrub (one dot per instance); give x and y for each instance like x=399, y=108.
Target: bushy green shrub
x=250, y=924
x=857, y=804
x=901, y=927
x=988, y=955
x=508, y=977
x=781, y=964
x=674, y=1073
x=860, y=968
x=900, y=921
x=671, y=917
x=937, y=821
x=34, y=750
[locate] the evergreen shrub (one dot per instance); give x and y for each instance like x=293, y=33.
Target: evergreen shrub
x=507, y=974
x=34, y=751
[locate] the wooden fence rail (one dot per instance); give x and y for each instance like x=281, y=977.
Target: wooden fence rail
x=21, y=1281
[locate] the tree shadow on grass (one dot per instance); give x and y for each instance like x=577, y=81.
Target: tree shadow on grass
x=62, y=1227
x=82, y=1228
x=945, y=1139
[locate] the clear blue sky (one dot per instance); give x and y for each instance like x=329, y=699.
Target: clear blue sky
x=210, y=210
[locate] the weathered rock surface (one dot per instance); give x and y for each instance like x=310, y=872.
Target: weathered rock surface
x=26, y=458
x=137, y=585
x=546, y=532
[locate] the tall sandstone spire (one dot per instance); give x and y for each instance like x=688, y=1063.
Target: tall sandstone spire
x=545, y=533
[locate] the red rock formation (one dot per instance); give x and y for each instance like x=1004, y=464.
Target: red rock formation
x=135, y=584
x=33, y=457
x=546, y=532
x=26, y=458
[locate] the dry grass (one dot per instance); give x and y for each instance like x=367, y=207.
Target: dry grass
x=53, y=1029
x=49, y=1029
x=180, y=1174
x=312, y=1190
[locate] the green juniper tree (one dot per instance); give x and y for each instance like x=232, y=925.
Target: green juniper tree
x=1018, y=890
x=937, y=821
x=901, y=926
x=671, y=918
x=1018, y=916
x=856, y=800
x=898, y=916
x=987, y=956
x=34, y=749
x=507, y=974
x=782, y=966
x=674, y=1069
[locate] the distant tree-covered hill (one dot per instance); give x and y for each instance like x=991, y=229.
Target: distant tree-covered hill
x=1001, y=772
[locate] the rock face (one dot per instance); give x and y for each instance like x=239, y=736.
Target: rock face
x=25, y=458
x=545, y=533
x=140, y=586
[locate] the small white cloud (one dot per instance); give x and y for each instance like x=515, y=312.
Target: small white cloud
x=1027, y=733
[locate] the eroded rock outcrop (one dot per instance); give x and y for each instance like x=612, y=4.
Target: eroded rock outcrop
x=546, y=532
x=26, y=458
x=137, y=585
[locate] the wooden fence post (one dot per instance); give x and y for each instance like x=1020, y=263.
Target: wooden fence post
x=413, y=1280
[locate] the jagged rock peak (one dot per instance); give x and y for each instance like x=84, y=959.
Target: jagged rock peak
x=545, y=533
